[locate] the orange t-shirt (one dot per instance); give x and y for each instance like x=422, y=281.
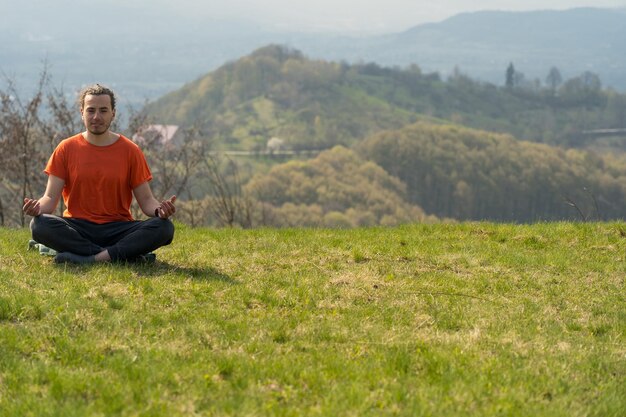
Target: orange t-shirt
x=99, y=180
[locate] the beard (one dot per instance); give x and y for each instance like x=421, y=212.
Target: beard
x=98, y=129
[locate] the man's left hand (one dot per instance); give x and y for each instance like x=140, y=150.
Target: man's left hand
x=167, y=208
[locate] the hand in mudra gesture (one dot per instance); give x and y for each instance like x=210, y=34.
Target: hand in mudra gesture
x=167, y=208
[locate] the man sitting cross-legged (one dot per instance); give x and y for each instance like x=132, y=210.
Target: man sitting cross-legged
x=97, y=172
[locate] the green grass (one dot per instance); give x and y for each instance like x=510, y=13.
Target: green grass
x=450, y=320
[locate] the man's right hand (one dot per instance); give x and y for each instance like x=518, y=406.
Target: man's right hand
x=32, y=207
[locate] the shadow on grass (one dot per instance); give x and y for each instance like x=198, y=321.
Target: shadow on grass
x=196, y=273
x=160, y=268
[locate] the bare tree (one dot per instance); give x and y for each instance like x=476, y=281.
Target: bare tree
x=585, y=216
x=29, y=131
x=65, y=118
x=20, y=129
x=573, y=204
x=176, y=157
x=230, y=205
x=182, y=164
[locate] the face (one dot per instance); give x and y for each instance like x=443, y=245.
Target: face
x=97, y=114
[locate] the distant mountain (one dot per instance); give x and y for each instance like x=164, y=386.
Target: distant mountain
x=482, y=44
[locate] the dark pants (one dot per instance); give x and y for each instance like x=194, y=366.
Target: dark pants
x=124, y=240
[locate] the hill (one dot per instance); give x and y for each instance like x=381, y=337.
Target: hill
x=277, y=92
x=334, y=189
x=314, y=104
x=461, y=320
x=461, y=173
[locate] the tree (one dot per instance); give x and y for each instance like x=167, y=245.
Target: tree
x=510, y=76
x=182, y=163
x=30, y=129
x=554, y=79
x=616, y=110
x=228, y=202
x=586, y=90
x=591, y=81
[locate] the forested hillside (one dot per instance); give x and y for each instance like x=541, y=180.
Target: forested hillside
x=335, y=189
x=415, y=147
x=314, y=104
x=464, y=173
x=451, y=172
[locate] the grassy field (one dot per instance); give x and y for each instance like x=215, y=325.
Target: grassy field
x=425, y=320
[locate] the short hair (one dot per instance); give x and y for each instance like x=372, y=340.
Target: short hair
x=96, y=90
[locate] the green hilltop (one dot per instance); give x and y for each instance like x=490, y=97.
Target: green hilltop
x=314, y=104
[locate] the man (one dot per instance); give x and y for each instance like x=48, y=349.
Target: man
x=98, y=172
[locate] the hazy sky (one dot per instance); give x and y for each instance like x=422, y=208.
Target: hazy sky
x=365, y=15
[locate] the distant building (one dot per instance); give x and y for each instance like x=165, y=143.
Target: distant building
x=161, y=134
x=275, y=145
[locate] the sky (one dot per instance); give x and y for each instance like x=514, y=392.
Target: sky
x=337, y=16
x=365, y=16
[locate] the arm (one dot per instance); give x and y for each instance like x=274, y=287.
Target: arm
x=48, y=203
x=150, y=205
